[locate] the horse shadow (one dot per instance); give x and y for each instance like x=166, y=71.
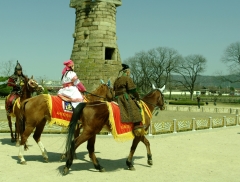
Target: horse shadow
x=83, y=163
x=53, y=157
x=7, y=141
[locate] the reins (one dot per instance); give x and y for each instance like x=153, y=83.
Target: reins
x=95, y=95
x=105, y=98
x=87, y=105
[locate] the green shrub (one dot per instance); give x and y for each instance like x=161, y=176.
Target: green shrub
x=5, y=91
x=185, y=102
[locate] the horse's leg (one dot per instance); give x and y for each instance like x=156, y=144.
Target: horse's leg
x=149, y=154
x=24, y=138
x=135, y=142
x=10, y=127
x=17, y=132
x=37, y=134
x=92, y=156
x=74, y=145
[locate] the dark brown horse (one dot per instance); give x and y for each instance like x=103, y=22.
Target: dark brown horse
x=36, y=113
x=95, y=115
x=30, y=86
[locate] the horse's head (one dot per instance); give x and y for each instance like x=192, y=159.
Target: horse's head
x=103, y=92
x=32, y=85
x=160, y=100
x=155, y=98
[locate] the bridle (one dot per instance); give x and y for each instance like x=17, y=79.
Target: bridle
x=29, y=84
x=155, y=105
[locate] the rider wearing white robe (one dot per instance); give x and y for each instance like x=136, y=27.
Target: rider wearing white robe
x=72, y=87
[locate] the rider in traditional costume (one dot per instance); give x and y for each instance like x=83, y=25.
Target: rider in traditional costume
x=16, y=81
x=72, y=87
x=127, y=96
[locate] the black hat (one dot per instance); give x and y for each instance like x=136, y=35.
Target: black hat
x=18, y=67
x=125, y=66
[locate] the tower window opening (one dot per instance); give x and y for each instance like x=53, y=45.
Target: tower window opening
x=109, y=53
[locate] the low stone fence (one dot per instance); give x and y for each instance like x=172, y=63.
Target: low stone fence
x=175, y=126
x=193, y=124
x=203, y=109
x=159, y=127
x=162, y=127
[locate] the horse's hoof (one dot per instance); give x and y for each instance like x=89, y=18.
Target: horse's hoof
x=131, y=168
x=102, y=169
x=62, y=157
x=13, y=140
x=150, y=162
x=23, y=162
x=130, y=165
x=46, y=160
x=65, y=171
x=99, y=168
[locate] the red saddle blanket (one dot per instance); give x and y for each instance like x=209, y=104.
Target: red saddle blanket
x=61, y=113
x=123, y=131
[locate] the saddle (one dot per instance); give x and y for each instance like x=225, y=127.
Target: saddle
x=9, y=103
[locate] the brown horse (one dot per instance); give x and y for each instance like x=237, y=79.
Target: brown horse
x=95, y=115
x=30, y=86
x=36, y=112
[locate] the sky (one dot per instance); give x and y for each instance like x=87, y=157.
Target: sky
x=38, y=33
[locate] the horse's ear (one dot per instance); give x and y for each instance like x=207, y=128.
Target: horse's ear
x=153, y=86
x=162, y=89
x=32, y=77
x=109, y=83
x=102, y=82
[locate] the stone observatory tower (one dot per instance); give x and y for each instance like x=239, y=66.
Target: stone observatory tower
x=95, y=51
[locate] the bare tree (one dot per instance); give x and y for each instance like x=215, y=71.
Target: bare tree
x=7, y=68
x=189, y=69
x=231, y=58
x=140, y=70
x=154, y=66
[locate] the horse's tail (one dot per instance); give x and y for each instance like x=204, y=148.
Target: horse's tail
x=70, y=147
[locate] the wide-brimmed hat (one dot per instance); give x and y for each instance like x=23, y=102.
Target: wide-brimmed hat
x=124, y=67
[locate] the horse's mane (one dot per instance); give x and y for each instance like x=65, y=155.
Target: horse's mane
x=98, y=89
x=150, y=93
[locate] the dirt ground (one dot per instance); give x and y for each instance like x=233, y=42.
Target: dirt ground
x=205, y=155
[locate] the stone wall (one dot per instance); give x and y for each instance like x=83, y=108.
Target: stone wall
x=95, y=51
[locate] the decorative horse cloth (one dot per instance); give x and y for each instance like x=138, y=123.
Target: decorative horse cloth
x=61, y=113
x=123, y=131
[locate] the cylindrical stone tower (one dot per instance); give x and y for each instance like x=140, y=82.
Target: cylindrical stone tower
x=95, y=51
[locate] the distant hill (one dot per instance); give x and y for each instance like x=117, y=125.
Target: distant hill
x=213, y=81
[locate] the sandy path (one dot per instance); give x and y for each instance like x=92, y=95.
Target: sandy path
x=207, y=155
